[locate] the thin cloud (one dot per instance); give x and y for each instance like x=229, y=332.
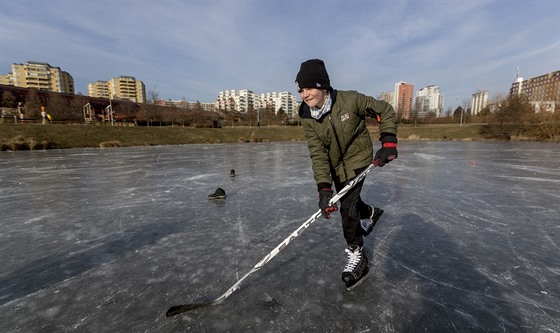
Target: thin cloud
x=195, y=49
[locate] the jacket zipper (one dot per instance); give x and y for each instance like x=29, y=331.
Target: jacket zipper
x=339, y=147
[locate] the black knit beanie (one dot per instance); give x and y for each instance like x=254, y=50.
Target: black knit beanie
x=313, y=74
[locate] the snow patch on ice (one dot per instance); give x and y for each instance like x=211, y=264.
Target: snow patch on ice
x=536, y=179
x=202, y=176
x=429, y=156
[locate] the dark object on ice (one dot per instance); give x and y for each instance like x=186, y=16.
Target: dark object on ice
x=232, y=173
x=219, y=194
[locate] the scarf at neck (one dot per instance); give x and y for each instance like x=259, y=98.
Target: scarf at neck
x=317, y=113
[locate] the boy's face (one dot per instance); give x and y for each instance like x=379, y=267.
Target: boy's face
x=314, y=98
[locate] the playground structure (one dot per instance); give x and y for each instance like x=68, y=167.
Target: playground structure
x=90, y=116
x=95, y=110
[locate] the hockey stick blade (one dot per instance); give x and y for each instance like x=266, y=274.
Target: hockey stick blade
x=178, y=309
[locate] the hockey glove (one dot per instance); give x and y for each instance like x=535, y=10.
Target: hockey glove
x=387, y=152
x=325, y=196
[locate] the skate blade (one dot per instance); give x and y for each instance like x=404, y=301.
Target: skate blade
x=358, y=282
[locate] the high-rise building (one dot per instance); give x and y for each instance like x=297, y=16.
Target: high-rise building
x=41, y=76
x=402, y=99
x=479, y=101
x=429, y=100
x=122, y=87
x=542, y=91
x=98, y=89
x=128, y=88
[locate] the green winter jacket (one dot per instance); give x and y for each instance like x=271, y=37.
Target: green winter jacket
x=341, y=154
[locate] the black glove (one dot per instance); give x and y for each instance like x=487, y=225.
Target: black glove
x=325, y=196
x=387, y=152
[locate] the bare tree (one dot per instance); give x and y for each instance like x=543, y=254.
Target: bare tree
x=126, y=111
x=153, y=95
x=58, y=107
x=511, y=116
x=8, y=99
x=76, y=108
x=32, y=105
x=548, y=124
x=148, y=111
x=514, y=114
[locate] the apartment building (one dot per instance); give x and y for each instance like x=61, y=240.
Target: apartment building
x=122, y=87
x=236, y=100
x=7, y=79
x=39, y=75
x=479, y=101
x=388, y=97
x=284, y=101
x=542, y=91
x=429, y=100
x=245, y=100
x=187, y=105
x=402, y=99
x=128, y=88
x=99, y=89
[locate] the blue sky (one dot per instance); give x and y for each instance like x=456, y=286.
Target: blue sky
x=195, y=49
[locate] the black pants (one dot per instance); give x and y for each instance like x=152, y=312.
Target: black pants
x=352, y=209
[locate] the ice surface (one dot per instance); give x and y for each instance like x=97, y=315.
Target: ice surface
x=105, y=240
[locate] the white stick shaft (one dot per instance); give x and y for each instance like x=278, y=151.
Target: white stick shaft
x=293, y=235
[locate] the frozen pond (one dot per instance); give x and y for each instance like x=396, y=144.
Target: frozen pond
x=107, y=240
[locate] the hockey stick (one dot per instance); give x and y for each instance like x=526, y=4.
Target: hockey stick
x=177, y=309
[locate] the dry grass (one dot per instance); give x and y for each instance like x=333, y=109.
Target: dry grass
x=110, y=144
x=84, y=136
x=36, y=136
x=19, y=142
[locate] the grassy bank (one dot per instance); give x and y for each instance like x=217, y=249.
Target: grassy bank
x=81, y=136
x=51, y=136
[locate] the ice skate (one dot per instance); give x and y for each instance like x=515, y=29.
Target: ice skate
x=219, y=194
x=356, y=267
x=368, y=224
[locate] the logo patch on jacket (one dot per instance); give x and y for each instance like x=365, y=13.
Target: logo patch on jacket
x=344, y=116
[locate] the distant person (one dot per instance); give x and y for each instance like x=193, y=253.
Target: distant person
x=340, y=148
